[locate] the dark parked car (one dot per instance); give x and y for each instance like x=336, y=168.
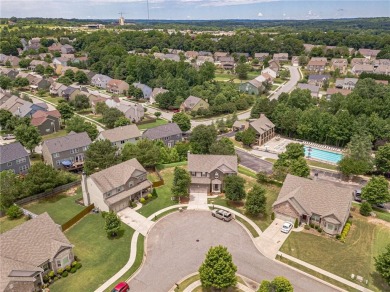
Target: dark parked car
x=357, y=195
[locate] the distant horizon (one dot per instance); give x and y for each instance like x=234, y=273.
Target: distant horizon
x=196, y=9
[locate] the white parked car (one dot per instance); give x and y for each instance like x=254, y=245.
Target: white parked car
x=222, y=214
x=287, y=226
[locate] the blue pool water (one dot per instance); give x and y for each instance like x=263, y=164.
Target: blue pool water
x=324, y=155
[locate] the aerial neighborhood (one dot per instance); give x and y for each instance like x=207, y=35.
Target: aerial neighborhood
x=123, y=144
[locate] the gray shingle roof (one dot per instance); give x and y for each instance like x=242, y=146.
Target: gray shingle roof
x=262, y=124
x=117, y=175
x=162, y=131
x=121, y=133
x=11, y=152
x=207, y=163
x=312, y=88
x=33, y=242
x=316, y=197
x=71, y=141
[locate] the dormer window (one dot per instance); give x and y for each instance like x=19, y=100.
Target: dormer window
x=216, y=175
x=131, y=184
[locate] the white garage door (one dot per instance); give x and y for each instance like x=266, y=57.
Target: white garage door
x=199, y=189
x=284, y=217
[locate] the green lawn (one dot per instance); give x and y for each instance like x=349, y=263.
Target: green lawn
x=7, y=224
x=187, y=282
x=51, y=99
x=158, y=122
x=100, y=256
x=153, y=177
x=137, y=263
x=34, y=158
x=60, y=133
x=312, y=163
x=97, y=118
x=164, y=195
x=60, y=207
x=356, y=256
x=164, y=166
x=272, y=192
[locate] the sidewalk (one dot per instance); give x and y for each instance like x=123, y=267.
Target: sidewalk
x=323, y=272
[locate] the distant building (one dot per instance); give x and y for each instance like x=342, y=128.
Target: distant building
x=170, y=134
x=264, y=128
x=121, y=135
x=193, y=103
x=14, y=157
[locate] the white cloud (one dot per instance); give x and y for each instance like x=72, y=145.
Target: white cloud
x=259, y=14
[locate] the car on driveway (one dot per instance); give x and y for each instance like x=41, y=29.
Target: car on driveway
x=121, y=287
x=287, y=226
x=357, y=195
x=8, y=137
x=222, y=214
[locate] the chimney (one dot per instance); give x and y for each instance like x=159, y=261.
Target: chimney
x=84, y=187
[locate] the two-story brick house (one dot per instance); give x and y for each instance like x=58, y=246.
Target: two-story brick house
x=66, y=152
x=209, y=171
x=170, y=134
x=113, y=188
x=14, y=157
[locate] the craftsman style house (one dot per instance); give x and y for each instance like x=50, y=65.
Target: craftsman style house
x=208, y=172
x=113, y=188
x=67, y=151
x=29, y=251
x=313, y=201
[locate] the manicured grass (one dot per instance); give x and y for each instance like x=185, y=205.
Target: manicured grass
x=248, y=226
x=60, y=207
x=164, y=166
x=60, y=133
x=246, y=172
x=137, y=263
x=34, y=158
x=273, y=88
x=321, y=164
x=383, y=215
x=164, y=195
x=272, y=160
x=97, y=118
x=158, y=122
x=356, y=256
x=100, y=256
x=7, y=224
x=163, y=214
x=152, y=176
x=187, y=282
x=51, y=99
x=272, y=192
x=316, y=274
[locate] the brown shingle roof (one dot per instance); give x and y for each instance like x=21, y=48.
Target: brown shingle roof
x=318, y=197
x=207, y=163
x=262, y=124
x=121, y=133
x=117, y=175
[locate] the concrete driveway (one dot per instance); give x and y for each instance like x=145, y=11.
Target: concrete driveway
x=272, y=239
x=253, y=162
x=135, y=220
x=177, y=244
x=198, y=201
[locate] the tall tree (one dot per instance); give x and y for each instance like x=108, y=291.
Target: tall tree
x=256, y=201
x=10, y=188
x=65, y=110
x=81, y=77
x=110, y=116
x=248, y=137
x=182, y=120
x=382, y=158
x=376, y=190
x=382, y=264
x=5, y=116
x=122, y=121
x=100, y=155
x=81, y=101
x=112, y=224
x=223, y=146
x=78, y=125
x=218, y=270
x=242, y=70
x=28, y=136
x=202, y=137
x=146, y=151
x=181, y=182
x=234, y=188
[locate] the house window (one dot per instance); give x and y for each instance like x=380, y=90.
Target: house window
x=85, y=148
x=123, y=142
x=46, y=267
x=108, y=194
x=23, y=168
x=9, y=163
x=21, y=160
x=55, y=155
x=216, y=175
x=131, y=184
x=58, y=162
x=330, y=226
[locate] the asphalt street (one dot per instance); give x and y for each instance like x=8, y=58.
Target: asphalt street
x=252, y=162
x=294, y=78
x=177, y=244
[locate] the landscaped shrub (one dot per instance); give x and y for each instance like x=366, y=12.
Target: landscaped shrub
x=307, y=227
x=60, y=271
x=65, y=274
x=45, y=278
x=272, y=216
x=296, y=223
x=311, y=225
x=365, y=209
x=349, y=221
x=14, y=212
x=338, y=236
x=319, y=229
x=74, y=263
x=154, y=193
x=345, y=231
x=67, y=268
x=150, y=196
x=78, y=266
x=104, y=214
x=132, y=204
x=142, y=200
x=316, y=227
x=55, y=278
x=51, y=274
x=73, y=270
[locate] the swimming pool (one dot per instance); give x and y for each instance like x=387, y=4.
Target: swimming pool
x=324, y=155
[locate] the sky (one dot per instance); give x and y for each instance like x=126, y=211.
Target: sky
x=195, y=9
